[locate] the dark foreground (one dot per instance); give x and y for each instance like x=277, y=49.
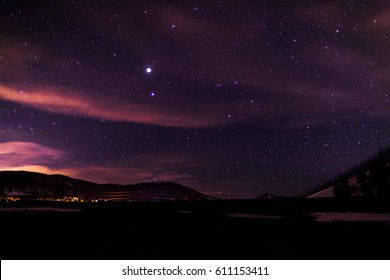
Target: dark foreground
x=273, y=229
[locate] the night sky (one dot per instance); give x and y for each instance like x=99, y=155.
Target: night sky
x=231, y=98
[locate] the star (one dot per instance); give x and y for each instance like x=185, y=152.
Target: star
x=250, y=79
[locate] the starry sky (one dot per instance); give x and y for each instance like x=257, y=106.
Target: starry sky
x=231, y=98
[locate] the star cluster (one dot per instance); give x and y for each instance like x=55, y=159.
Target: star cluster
x=231, y=98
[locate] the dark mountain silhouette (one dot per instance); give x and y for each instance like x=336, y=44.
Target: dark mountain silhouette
x=370, y=178
x=23, y=184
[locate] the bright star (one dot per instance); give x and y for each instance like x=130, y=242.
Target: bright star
x=148, y=70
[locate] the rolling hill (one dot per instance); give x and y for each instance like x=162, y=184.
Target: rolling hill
x=32, y=185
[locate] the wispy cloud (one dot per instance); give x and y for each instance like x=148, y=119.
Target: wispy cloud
x=27, y=155
x=59, y=102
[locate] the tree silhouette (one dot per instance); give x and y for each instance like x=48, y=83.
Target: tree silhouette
x=379, y=177
x=342, y=189
x=363, y=180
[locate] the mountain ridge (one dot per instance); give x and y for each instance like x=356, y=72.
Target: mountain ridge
x=25, y=184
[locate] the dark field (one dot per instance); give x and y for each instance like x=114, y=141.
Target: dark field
x=221, y=229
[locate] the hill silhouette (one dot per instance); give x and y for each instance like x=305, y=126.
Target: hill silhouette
x=23, y=184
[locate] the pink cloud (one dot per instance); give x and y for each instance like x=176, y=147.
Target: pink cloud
x=27, y=155
x=60, y=102
x=72, y=101
x=34, y=168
